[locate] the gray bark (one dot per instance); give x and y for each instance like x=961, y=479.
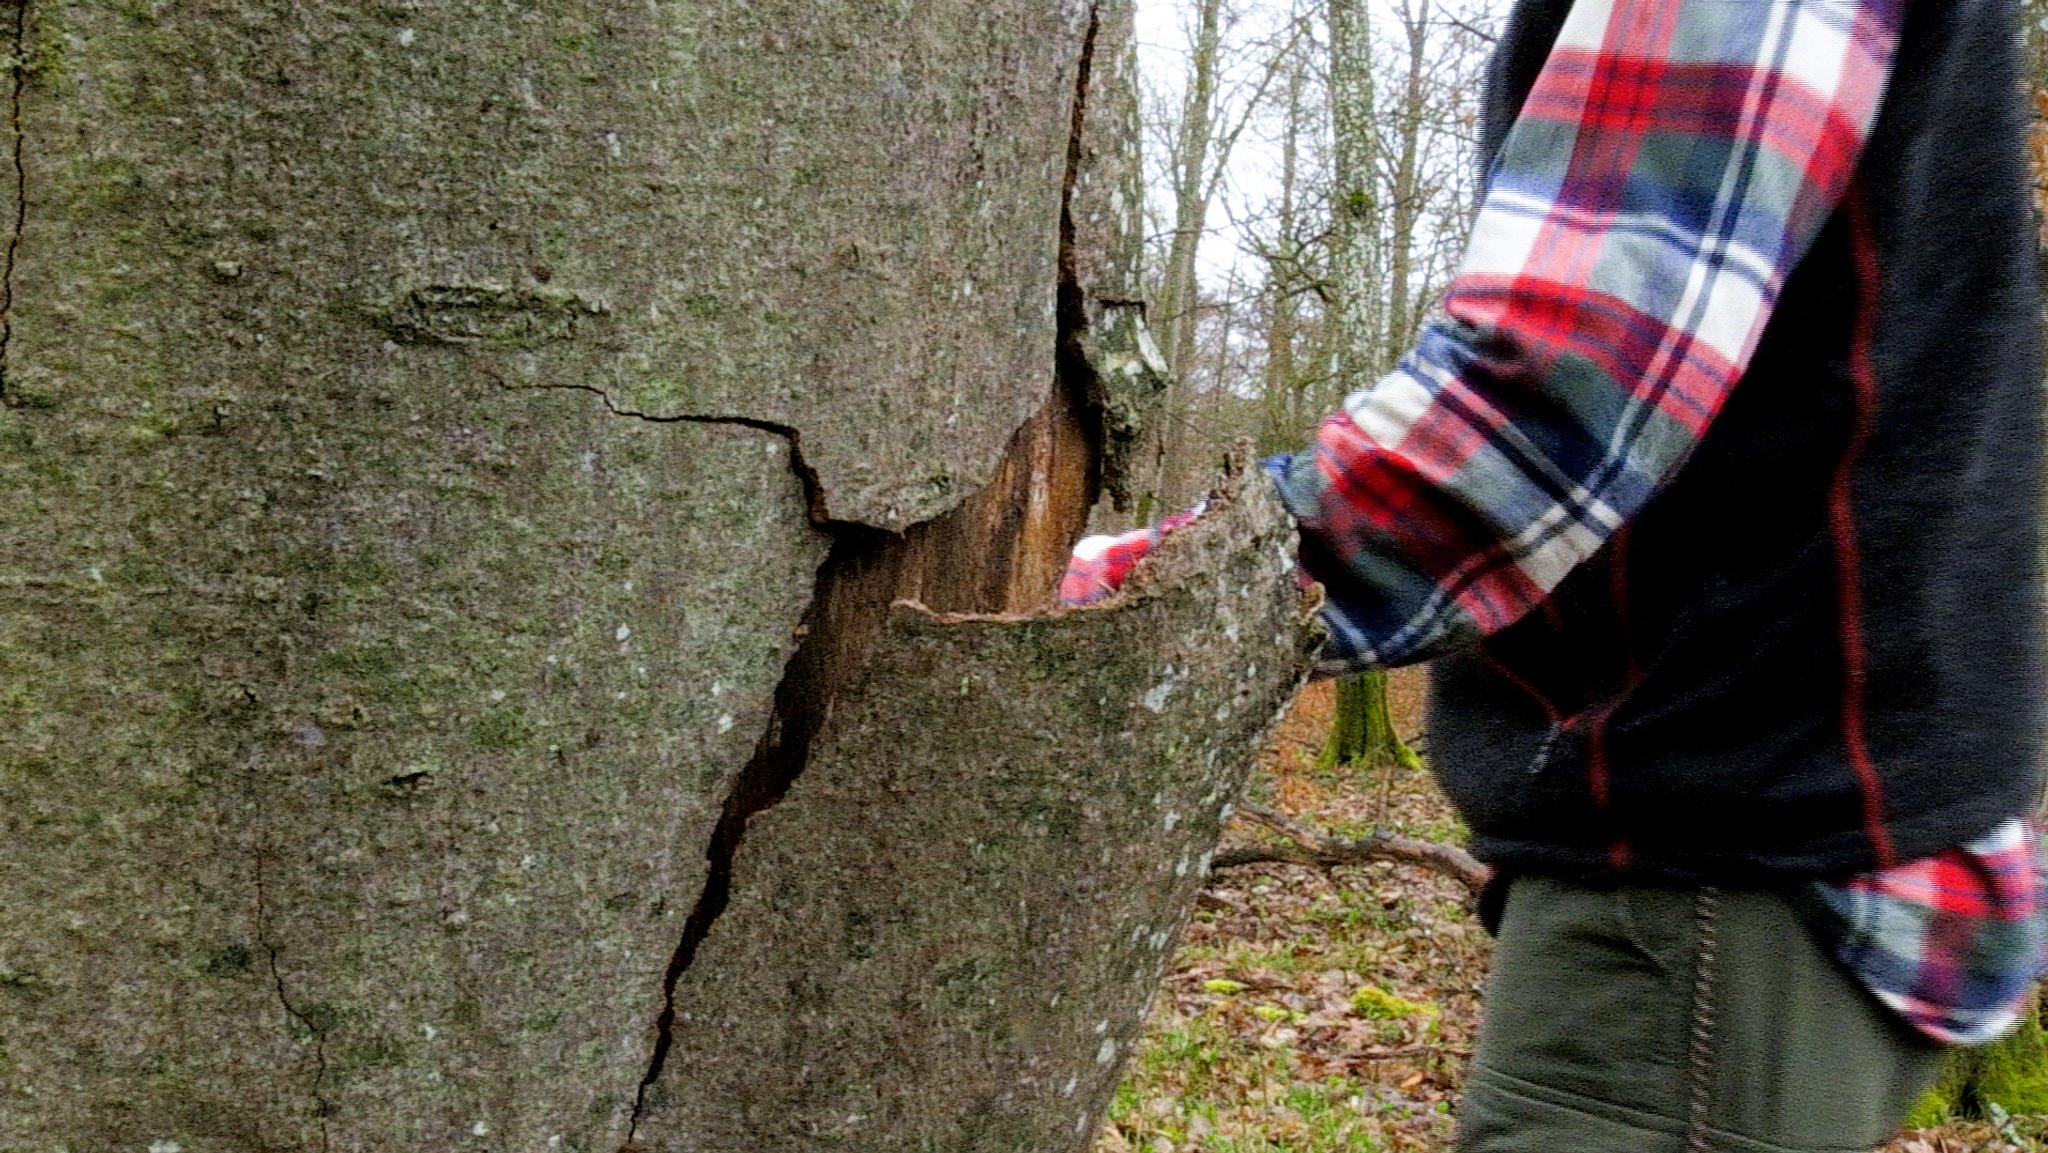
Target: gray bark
x=1404, y=189
x=1354, y=198
x=1281, y=396
x=454, y=456
x=1194, y=163
x=951, y=946
x=1102, y=291
x=1362, y=731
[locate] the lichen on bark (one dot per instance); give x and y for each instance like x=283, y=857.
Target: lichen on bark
x=945, y=935
x=426, y=431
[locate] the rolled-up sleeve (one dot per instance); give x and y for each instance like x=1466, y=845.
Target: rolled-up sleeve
x=1672, y=164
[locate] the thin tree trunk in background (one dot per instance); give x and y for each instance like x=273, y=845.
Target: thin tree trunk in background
x=1354, y=197
x=1280, y=416
x=1180, y=291
x=1405, y=197
x=1203, y=458
x=1361, y=731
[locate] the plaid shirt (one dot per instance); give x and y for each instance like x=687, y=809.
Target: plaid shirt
x=1671, y=165
x=1951, y=943
x=1100, y=563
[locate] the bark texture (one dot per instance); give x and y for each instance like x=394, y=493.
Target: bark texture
x=946, y=933
x=454, y=455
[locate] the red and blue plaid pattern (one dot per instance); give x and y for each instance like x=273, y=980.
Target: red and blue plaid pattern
x=1100, y=563
x=1672, y=164
x=1951, y=942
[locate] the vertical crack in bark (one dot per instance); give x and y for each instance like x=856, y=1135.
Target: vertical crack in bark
x=1077, y=375
x=990, y=554
x=319, y=1035
x=846, y=613
x=18, y=76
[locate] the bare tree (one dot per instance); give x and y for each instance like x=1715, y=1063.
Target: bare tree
x=1286, y=277
x=1405, y=196
x=1362, y=729
x=1355, y=202
x=1200, y=137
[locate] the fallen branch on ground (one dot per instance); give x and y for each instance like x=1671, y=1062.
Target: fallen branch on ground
x=1311, y=847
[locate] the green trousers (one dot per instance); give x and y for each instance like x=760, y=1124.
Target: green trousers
x=1656, y=1020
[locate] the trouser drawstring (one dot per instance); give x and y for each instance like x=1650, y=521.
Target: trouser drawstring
x=1705, y=907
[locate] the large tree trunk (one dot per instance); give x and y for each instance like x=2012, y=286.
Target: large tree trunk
x=456, y=457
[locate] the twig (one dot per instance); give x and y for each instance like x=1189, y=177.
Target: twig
x=1391, y=1054
x=1312, y=848
x=1472, y=30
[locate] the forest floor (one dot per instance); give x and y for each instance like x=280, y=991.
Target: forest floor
x=1313, y=1012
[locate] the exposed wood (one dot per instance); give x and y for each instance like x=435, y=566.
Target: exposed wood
x=459, y=470
x=946, y=934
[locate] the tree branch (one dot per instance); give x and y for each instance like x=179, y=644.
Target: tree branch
x=1312, y=848
x=1469, y=29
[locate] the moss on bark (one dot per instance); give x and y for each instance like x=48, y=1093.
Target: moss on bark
x=420, y=429
x=1362, y=727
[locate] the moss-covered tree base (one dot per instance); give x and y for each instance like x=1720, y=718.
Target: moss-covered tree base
x=1362, y=728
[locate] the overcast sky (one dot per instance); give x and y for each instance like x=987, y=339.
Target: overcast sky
x=1164, y=33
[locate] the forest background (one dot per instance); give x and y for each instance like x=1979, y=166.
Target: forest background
x=1311, y=170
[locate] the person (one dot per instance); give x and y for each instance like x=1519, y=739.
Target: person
x=1714, y=500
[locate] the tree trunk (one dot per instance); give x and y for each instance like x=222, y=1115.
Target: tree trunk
x=1360, y=731
x=1280, y=400
x=1405, y=195
x=460, y=462
x=1362, y=728
x=1180, y=295
x=1354, y=196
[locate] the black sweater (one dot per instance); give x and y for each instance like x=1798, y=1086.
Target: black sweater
x=1817, y=650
